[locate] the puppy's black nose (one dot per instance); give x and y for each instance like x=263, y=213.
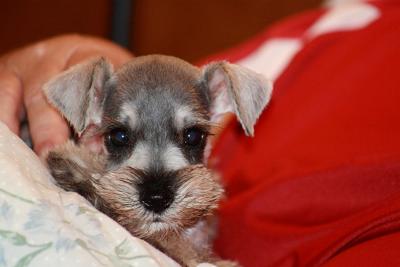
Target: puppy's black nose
x=156, y=194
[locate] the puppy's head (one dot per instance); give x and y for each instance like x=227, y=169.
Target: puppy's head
x=146, y=126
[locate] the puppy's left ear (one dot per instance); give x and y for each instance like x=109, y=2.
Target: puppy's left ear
x=232, y=88
x=79, y=92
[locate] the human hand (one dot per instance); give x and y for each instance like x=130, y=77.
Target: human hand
x=23, y=73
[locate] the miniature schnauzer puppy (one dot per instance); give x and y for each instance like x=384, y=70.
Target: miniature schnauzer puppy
x=141, y=134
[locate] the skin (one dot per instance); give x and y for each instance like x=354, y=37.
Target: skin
x=23, y=73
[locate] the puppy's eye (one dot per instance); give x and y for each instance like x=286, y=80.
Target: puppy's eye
x=194, y=136
x=118, y=137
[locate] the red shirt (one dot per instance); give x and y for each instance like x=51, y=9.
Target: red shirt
x=320, y=182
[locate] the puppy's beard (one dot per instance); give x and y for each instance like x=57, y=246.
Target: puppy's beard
x=197, y=195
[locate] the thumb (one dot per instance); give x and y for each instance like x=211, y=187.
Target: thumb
x=48, y=129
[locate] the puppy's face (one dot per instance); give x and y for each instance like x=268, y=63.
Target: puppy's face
x=154, y=128
x=143, y=131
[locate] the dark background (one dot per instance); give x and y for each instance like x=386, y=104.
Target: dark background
x=190, y=29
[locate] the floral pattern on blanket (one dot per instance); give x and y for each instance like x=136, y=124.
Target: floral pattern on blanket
x=41, y=225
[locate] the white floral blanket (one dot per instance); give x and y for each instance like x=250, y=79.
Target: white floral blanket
x=41, y=225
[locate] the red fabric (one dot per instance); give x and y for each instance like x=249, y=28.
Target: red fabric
x=320, y=182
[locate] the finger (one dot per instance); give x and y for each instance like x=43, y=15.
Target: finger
x=98, y=47
x=10, y=99
x=46, y=125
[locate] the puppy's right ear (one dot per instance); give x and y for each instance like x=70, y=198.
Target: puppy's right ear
x=79, y=92
x=233, y=88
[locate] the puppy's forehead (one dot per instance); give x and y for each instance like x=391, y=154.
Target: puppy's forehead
x=154, y=65
x=157, y=85
x=165, y=75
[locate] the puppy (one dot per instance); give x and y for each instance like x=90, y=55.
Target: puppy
x=142, y=130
